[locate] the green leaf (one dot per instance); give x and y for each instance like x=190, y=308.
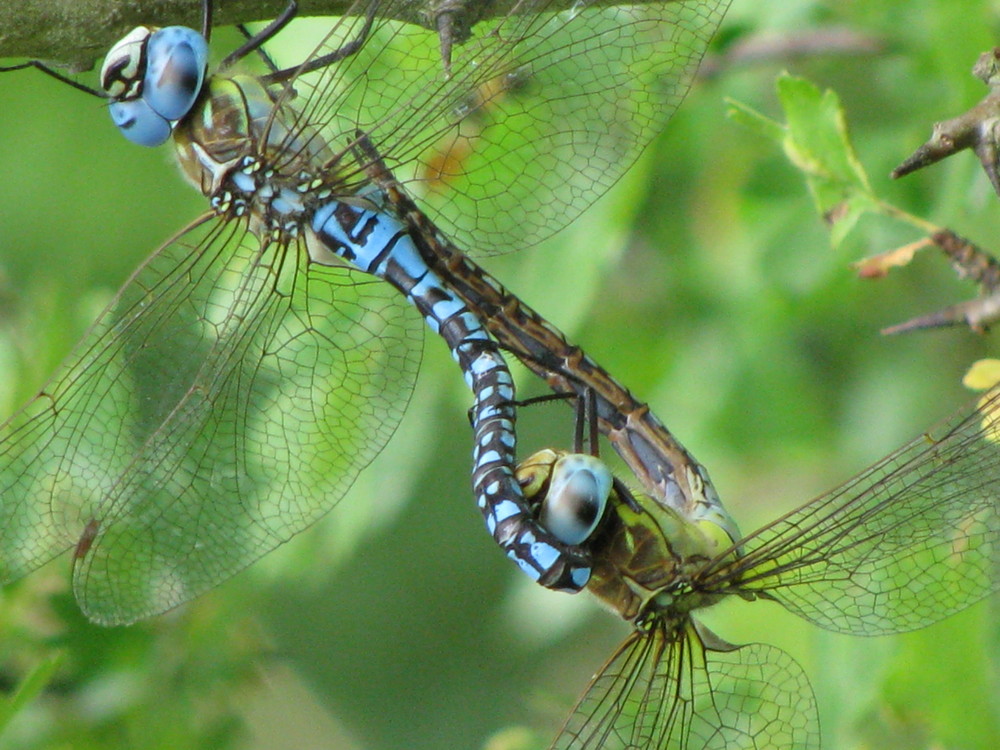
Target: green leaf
x=28, y=690
x=816, y=140
x=756, y=121
x=818, y=132
x=818, y=144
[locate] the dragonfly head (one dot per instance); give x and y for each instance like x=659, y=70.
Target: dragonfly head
x=153, y=78
x=645, y=553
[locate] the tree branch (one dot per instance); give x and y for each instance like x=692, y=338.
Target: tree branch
x=77, y=33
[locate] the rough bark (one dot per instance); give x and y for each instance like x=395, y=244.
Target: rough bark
x=76, y=33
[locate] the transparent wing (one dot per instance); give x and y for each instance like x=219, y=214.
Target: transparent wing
x=684, y=689
x=545, y=105
x=223, y=402
x=904, y=544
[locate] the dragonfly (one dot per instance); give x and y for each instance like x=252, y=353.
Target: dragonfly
x=904, y=544
x=252, y=366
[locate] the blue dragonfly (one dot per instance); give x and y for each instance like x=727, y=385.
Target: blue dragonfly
x=253, y=365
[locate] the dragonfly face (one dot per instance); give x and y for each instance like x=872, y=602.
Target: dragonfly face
x=153, y=77
x=570, y=490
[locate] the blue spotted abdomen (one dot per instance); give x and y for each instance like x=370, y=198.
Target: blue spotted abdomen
x=380, y=244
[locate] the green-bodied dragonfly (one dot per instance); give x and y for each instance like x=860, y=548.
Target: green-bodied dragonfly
x=904, y=544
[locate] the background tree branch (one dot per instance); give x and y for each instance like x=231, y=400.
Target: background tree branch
x=76, y=33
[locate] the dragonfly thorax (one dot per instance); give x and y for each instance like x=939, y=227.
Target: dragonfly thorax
x=642, y=566
x=275, y=206
x=238, y=151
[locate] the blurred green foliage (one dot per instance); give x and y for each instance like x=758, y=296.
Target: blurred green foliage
x=705, y=281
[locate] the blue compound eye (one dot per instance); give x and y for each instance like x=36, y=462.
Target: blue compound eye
x=175, y=70
x=577, y=496
x=153, y=79
x=139, y=123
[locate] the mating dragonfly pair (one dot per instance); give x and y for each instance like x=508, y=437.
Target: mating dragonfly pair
x=259, y=360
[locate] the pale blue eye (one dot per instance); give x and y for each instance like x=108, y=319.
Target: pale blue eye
x=175, y=70
x=577, y=496
x=171, y=63
x=139, y=123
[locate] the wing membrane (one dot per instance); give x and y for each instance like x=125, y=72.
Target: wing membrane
x=543, y=109
x=907, y=542
x=668, y=689
x=225, y=400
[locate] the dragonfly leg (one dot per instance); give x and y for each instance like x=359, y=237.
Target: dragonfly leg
x=52, y=72
x=254, y=42
x=324, y=61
